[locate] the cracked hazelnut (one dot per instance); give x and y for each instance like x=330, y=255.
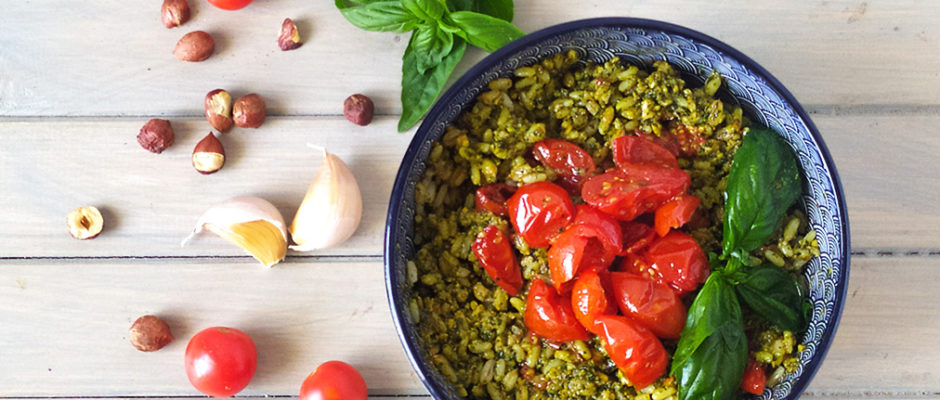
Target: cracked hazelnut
x=194, y=46
x=358, y=109
x=156, y=135
x=150, y=333
x=219, y=109
x=174, y=12
x=248, y=111
x=85, y=222
x=208, y=156
x=289, y=38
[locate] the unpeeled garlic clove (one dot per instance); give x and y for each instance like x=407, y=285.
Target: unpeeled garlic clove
x=331, y=210
x=249, y=222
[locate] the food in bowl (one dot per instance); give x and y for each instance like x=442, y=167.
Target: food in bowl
x=561, y=201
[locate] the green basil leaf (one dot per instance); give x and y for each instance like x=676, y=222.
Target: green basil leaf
x=484, y=31
x=763, y=183
x=775, y=295
x=712, y=350
x=430, y=45
x=428, y=10
x=502, y=9
x=381, y=16
x=418, y=91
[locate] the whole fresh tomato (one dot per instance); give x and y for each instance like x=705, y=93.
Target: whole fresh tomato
x=593, y=240
x=634, y=349
x=650, y=303
x=675, y=213
x=494, y=252
x=550, y=315
x=565, y=158
x=334, y=380
x=493, y=198
x=636, y=236
x=754, y=378
x=230, y=4
x=220, y=361
x=675, y=260
x=634, y=189
x=539, y=211
x=591, y=298
x=638, y=150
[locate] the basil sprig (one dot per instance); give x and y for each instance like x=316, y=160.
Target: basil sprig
x=441, y=31
x=764, y=182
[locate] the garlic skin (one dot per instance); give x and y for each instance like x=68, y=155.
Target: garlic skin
x=249, y=222
x=331, y=210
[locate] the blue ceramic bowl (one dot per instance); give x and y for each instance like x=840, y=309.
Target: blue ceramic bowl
x=640, y=41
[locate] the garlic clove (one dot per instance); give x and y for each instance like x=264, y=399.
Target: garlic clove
x=331, y=209
x=249, y=222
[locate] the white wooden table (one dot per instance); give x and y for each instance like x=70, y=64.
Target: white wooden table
x=78, y=79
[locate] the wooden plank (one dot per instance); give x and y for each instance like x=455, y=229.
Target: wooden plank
x=113, y=57
x=65, y=325
x=151, y=201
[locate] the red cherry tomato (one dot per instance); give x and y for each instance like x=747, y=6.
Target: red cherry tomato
x=754, y=378
x=220, y=361
x=550, y=315
x=593, y=240
x=494, y=252
x=565, y=158
x=678, y=261
x=606, y=228
x=230, y=4
x=634, y=189
x=652, y=304
x=493, y=198
x=540, y=211
x=639, y=355
x=637, y=150
x=678, y=140
x=591, y=297
x=675, y=213
x=636, y=236
x=334, y=380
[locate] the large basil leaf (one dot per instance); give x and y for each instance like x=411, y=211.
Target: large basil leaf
x=430, y=45
x=428, y=10
x=775, y=295
x=484, y=31
x=763, y=183
x=712, y=350
x=418, y=91
x=379, y=16
x=502, y=9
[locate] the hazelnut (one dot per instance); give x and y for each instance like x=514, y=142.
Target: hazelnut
x=174, y=12
x=85, y=222
x=194, y=46
x=289, y=38
x=150, y=333
x=248, y=111
x=358, y=109
x=208, y=156
x=156, y=135
x=219, y=109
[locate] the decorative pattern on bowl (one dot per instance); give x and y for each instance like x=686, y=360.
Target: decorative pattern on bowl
x=638, y=41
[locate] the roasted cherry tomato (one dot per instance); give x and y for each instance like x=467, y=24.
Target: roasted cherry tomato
x=230, y=4
x=675, y=213
x=540, y=211
x=591, y=297
x=638, y=150
x=676, y=260
x=754, y=378
x=494, y=252
x=606, y=228
x=550, y=315
x=634, y=349
x=493, y=198
x=565, y=158
x=650, y=303
x=334, y=380
x=677, y=139
x=634, y=189
x=636, y=236
x=220, y=361
x=593, y=240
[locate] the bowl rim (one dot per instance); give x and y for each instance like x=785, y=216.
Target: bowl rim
x=401, y=177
